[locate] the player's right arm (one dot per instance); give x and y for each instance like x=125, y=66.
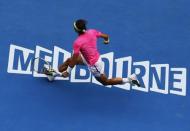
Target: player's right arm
x=73, y=60
x=76, y=53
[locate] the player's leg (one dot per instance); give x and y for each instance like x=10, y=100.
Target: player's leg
x=105, y=81
x=64, y=66
x=114, y=81
x=98, y=72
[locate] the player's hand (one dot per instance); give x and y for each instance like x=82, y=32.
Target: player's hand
x=65, y=74
x=106, y=41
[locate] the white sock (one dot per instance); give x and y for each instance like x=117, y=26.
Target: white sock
x=126, y=80
x=57, y=74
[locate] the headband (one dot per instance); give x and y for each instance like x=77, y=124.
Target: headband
x=75, y=26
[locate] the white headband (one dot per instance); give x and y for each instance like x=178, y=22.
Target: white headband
x=75, y=26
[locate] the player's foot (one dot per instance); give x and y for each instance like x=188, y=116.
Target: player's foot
x=134, y=80
x=48, y=71
x=51, y=74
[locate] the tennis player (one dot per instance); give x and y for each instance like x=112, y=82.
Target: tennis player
x=85, y=52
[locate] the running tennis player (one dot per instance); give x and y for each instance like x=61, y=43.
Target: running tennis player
x=85, y=52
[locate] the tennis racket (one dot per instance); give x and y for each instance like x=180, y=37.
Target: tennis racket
x=41, y=66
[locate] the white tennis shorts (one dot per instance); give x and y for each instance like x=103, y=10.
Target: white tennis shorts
x=97, y=69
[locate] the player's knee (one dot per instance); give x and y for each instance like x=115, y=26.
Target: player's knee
x=105, y=82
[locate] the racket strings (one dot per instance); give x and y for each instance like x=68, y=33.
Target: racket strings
x=40, y=65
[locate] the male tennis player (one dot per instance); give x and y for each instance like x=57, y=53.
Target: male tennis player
x=85, y=52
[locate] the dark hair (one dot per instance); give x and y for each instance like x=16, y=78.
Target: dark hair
x=80, y=25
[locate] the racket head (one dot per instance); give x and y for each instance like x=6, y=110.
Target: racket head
x=39, y=64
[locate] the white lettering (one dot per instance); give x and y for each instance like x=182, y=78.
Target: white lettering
x=23, y=60
x=144, y=75
x=119, y=70
x=160, y=75
x=181, y=84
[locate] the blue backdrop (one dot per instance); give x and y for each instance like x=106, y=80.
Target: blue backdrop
x=154, y=30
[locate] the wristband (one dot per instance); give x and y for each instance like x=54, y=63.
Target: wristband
x=107, y=41
x=69, y=69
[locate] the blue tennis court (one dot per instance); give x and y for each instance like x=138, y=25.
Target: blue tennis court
x=149, y=37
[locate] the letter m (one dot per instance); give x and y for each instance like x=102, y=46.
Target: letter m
x=20, y=60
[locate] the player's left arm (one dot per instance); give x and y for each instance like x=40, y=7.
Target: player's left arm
x=102, y=35
x=105, y=37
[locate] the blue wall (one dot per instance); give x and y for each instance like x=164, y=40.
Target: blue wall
x=154, y=30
